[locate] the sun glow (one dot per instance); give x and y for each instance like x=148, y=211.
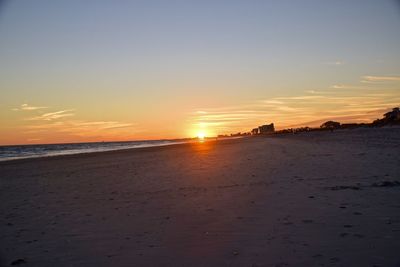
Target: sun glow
x=201, y=135
x=201, y=131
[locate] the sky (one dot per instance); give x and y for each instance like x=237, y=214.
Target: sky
x=82, y=71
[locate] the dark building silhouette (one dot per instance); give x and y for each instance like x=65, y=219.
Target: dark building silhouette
x=266, y=129
x=254, y=131
x=390, y=118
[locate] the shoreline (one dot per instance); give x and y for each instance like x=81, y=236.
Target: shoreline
x=277, y=135
x=116, y=151
x=91, y=152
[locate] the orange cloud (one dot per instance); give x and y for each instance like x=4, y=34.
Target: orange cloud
x=369, y=79
x=53, y=115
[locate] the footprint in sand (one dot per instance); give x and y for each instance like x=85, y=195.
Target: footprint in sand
x=18, y=262
x=358, y=235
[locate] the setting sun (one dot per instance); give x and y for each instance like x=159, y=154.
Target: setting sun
x=201, y=135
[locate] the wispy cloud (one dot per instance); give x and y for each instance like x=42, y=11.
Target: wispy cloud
x=272, y=101
x=63, y=123
x=374, y=79
x=304, y=97
x=346, y=86
x=27, y=107
x=368, y=82
x=297, y=110
x=54, y=115
x=335, y=63
x=84, y=128
x=104, y=124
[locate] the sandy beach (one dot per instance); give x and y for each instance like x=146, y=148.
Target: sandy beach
x=311, y=199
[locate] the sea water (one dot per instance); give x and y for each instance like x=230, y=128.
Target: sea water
x=46, y=150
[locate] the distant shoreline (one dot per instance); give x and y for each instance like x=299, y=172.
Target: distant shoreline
x=138, y=148
x=187, y=142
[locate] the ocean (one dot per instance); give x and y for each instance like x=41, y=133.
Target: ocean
x=47, y=150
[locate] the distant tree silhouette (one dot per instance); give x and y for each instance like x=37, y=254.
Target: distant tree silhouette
x=331, y=125
x=389, y=118
x=392, y=116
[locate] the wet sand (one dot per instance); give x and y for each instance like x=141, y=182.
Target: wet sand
x=312, y=199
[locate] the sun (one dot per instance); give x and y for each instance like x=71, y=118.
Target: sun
x=201, y=135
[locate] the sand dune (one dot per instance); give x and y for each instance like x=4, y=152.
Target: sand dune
x=316, y=199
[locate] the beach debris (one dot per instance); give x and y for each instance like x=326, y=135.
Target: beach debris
x=317, y=256
x=18, y=262
x=343, y=187
x=386, y=184
x=359, y=187
x=334, y=259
